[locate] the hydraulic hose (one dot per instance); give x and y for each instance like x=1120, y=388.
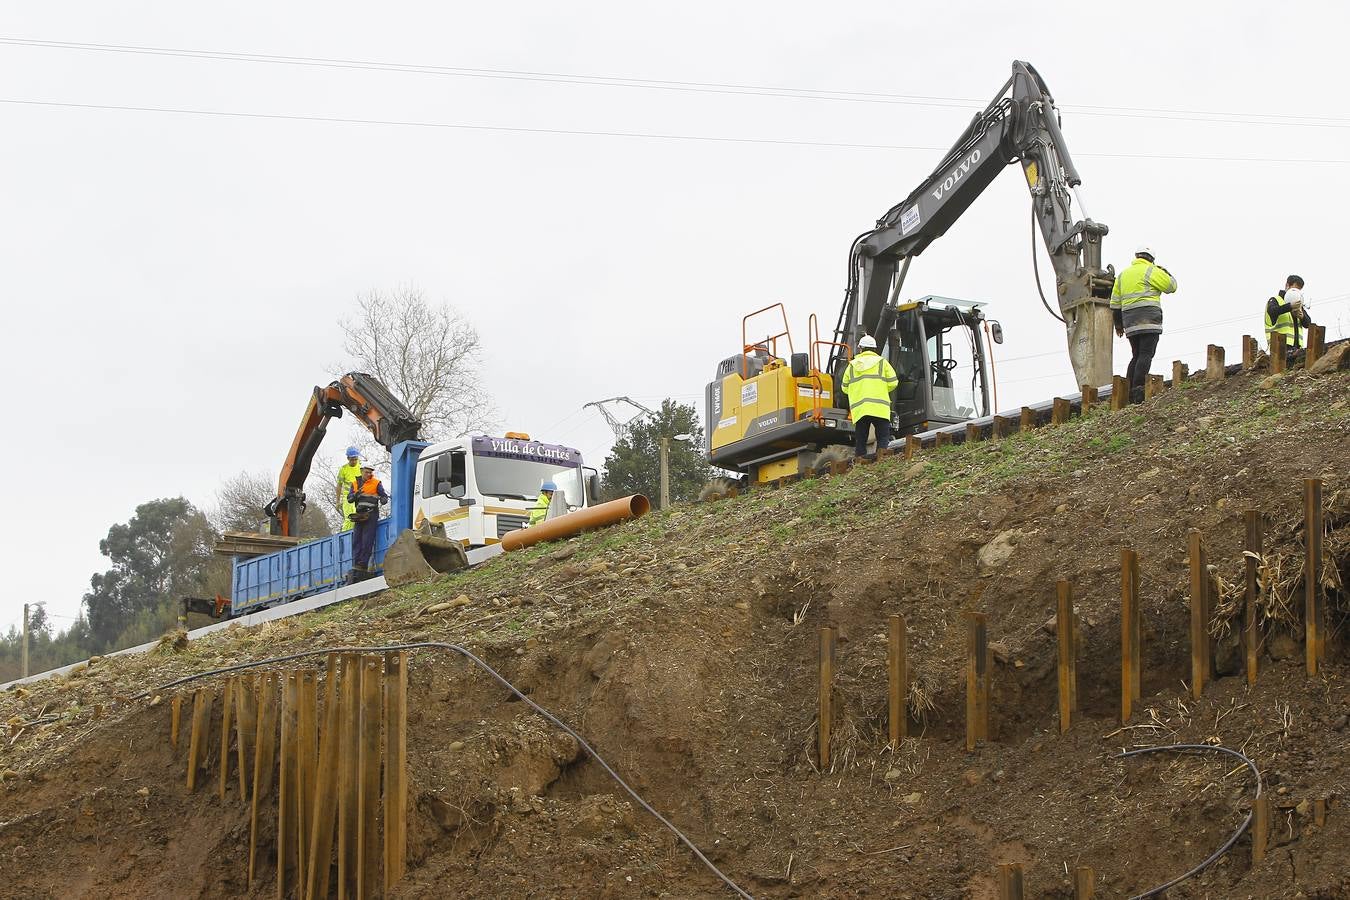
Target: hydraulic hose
x=1036, y=267
x=1228, y=844
x=455, y=648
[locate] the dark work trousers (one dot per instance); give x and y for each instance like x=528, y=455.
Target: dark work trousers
x=363, y=543
x=1142, y=346
x=866, y=424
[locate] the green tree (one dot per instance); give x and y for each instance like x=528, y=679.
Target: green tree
x=162, y=554
x=634, y=464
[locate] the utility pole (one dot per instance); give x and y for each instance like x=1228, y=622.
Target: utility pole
x=665, y=477
x=23, y=670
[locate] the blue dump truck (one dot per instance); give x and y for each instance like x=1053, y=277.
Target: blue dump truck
x=470, y=491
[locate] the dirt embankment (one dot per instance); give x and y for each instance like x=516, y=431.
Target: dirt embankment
x=683, y=647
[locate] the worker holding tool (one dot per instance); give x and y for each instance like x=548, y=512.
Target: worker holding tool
x=868, y=381
x=1286, y=315
x=366, y=497
x=1136, y=308
x=346, y=477
x=539, y=511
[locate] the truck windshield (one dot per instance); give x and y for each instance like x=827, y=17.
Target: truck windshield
x=500, y=476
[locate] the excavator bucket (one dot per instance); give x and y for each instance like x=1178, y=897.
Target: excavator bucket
x=418, y=557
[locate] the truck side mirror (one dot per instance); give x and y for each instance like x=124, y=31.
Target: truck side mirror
x=801, y=365
x=996, y=330
x=453, y=491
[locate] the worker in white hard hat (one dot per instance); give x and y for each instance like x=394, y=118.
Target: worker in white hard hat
x=868, y=381
x=1287, y=314
x=1136, y=308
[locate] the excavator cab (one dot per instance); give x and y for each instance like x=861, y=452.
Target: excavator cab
x=939, y=347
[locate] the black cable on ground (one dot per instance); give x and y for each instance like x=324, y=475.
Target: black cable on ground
x=1036, y=267
x=1228, y=844
x=455, y=648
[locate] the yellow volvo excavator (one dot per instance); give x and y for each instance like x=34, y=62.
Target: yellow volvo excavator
x=769, y=415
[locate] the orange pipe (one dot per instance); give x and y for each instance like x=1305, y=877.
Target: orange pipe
x=576, y=522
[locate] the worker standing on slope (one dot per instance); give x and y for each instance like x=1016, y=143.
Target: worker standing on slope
x=1136, y=307
x=1286, y=315
x=366, y=496
x=539, y=511
x=346, y=477
x=868, y=381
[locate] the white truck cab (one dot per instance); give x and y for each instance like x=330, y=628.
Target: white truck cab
x=476, y=489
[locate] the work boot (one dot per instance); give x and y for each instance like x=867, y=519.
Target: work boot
x=1136, y=395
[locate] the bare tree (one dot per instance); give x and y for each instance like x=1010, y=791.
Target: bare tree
x=427, y=354
x=240, y=500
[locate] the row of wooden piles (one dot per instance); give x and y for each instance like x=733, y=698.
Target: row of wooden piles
x=334, y=771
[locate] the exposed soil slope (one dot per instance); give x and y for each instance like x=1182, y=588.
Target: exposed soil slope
x=683, y=646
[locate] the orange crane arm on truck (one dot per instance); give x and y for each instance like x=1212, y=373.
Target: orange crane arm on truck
x=366, y=398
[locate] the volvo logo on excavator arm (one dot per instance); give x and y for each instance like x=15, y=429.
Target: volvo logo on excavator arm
x=957, y=174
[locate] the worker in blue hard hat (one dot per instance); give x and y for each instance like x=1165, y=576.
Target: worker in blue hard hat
x=346, y=479
x=540, y=509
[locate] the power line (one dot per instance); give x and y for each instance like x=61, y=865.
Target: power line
x=338, y=120
x=704, y=87
x=578, y=132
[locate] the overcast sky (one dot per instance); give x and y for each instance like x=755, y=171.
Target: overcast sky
x=173, y=280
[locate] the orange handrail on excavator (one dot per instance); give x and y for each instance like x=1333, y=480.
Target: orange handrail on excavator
x=366, y=397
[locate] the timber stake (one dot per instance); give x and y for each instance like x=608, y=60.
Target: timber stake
x=1059, y=412
x=1130, y=658
x=1314, y=614
x=826, y=697
x=1120, y=392
x=1010, y=881
x=1153, y=386
x=897, y=669
x=1200, y=651
x=1252, y=562
x=1084, y=883
x=1278, y=352
x=1316, y=341
x=1068, y=646
x=1214, y=366
x=977, y=679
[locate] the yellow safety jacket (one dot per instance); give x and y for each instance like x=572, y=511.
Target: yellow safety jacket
x=540, y=508
x=1138, y=295
x=868, y=381
x=1283, y=324
x=346, y=478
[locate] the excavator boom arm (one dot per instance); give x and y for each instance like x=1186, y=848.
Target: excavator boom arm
x=1021, y=124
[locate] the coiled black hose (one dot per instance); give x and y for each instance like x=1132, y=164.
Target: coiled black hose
x=1228, y=844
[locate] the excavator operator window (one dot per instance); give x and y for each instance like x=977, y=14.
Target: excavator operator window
x=953, y=375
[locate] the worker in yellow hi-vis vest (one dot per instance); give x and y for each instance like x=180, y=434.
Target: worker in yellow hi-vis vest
x=346, y=480
x=1287, y=315
x=868, y=381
